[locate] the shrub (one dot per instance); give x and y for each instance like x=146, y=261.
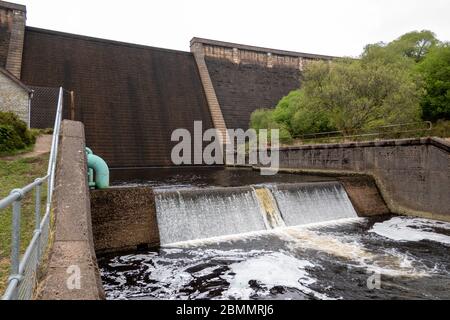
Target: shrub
x=14, y=133
x=435, y=70
x=441, y=129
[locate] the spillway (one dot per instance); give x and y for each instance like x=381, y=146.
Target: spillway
x=198, y=213
x=269, y=209
x=191, y=214
x=312, y=202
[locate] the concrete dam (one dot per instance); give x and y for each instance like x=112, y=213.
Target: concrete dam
x=131, y=98
x=334, y=218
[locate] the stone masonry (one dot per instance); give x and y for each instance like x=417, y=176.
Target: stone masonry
x=413, y=175
x=12, y=34
x=14, y=96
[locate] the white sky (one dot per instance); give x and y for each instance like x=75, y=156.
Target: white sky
x=340, y=27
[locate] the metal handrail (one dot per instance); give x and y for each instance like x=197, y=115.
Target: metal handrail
x=18, y=266
x=342, y=134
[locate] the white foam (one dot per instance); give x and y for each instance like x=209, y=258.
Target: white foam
x=247, y=236
x=270, y=270
x=412, y=229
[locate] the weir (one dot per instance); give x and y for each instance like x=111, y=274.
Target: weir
x=312, y=202
x=192, y=214
x=269, y=209
x=198, y=213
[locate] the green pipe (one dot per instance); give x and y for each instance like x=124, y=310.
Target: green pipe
x=91, y=178
x=100, y=169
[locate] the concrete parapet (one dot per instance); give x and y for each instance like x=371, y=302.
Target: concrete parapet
x=72, y=251
x=413, y=175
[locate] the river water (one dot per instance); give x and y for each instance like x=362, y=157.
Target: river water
x=386, y=257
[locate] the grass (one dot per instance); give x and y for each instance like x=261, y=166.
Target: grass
x=17, y=173
x=16, y=152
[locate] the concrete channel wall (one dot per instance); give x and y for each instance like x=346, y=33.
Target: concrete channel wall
x=413, y=175
x=72, y=251
x=124, y=219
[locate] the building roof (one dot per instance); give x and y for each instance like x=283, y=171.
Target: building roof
x=15, y=80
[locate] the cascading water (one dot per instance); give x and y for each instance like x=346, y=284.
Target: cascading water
x=269, y=209
x=312, y=202
x=191, y=214
x=195, y=214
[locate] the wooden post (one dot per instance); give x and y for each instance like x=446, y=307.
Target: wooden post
x=72, y=105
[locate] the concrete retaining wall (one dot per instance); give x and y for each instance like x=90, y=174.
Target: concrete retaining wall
x=413, y=175
x=124, y=219
x=72, y=231
x=364, y=195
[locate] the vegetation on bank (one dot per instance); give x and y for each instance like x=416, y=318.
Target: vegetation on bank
x=15, y=137
x=404, y=81
x=17, y=173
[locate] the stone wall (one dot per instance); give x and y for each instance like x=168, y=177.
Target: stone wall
x=14, y=97
x=243, y=88
x=413, y=175
x=72, y=231
x=245, y=78
x=245, y=54
x=124, y=219
x=12, y=33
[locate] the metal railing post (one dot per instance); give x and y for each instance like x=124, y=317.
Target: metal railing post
x=15, y=239
x=37, y=214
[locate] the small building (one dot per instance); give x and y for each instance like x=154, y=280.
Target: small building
x=14, y=96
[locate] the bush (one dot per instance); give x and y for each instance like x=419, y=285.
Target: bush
x=435, y=70
x=14, y=133
x=441, y=129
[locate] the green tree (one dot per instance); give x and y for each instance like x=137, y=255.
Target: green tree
x=264, y=119
x=360, y=95
x=415, y=44
x=391, y=83
x=296, y=115
x=435, y=71
x=412, y=46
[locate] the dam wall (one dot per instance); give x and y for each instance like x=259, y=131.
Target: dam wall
x=129, y=97
x=245, y=78
x=413, y=175
x=132, y=97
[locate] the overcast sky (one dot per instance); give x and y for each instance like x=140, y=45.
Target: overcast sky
x=340, y=27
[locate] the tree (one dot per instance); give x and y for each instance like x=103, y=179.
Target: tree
x=435, y=71
x=412, y=46
x=264, y=119
x=359, y=95
x=415, y=44
x=391, y=83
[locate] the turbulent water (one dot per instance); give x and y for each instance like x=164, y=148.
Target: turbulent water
x=196, y=214
x=356, y=258
x=293, y=238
